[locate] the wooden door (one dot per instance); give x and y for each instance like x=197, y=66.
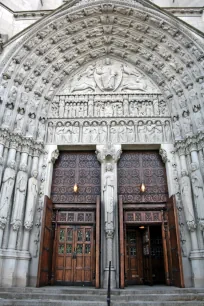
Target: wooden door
x=46, y=247
x=147, y=265
x=133, y=258
x=75, y=255
x=174, y=252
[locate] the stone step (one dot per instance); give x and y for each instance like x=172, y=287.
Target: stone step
x=98, y=303
x=86, y=297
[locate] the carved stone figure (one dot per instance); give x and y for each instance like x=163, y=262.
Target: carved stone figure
x=142, y=131
x=187, y=125
x=107, y=76
x=59, y=132
x=167, y=129
x=67, y=133
x=108, y=110
x=61, y=109
x=197, y=185
x=31, y=200
x=108, y=191
x=198, y=117
x=187, y=200
x=19, y=197
x=75, y=132
x=7, y=116
x=50, y=132
x=94, y=132
x=176, y=128
x=182, y=100
x=6, y=192
x=19, y=120
x=150, y=130
x=113, y=133
x=86, y=132
x=156, y=107
x=158, y=132
x=41, y=129
x=31, y=125
x=103, y=132
x=130, y=132
x=122, y=132
x=149, y=109
x=84, y=81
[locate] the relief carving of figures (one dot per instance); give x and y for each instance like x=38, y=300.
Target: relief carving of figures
x=197, y=185
x=6, y=192
x=7, y=118
x=176, y=128
x=182, y=100
x=84, y=81
x=13, y=94
x=19, y=120
x=19, y=197
x=149, y=109
x=187, y=125
x=130, y=132
x=156, y=107
x=61, y=109
x=187, y=200
x=198, y=117
x=103, y=132
x=67, y=133
x=108, y=191
x=108, y=109
x=31, y=200
x=192, y=95
x=150, y=130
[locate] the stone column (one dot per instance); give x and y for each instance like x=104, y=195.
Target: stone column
x=4, y=135
x=108, y=155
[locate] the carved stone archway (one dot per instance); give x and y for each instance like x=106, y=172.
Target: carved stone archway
x=84, y=43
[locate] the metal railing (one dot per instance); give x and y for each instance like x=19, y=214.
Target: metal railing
x=109, y=286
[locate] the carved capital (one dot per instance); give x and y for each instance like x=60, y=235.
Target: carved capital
x=109, y=150
x=28, y=225
x=26, y=145
x=4, y=135
x=201, y=225
x=191, y=225
x=15, y=141
x=180, y=148
x=16, y=225
x=191, y=143
x=3, y=222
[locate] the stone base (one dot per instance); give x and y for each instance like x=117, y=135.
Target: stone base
x=197, y=262
x=14, y=268
x=113, y=278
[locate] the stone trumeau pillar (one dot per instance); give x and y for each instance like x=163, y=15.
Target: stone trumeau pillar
x=108, y=155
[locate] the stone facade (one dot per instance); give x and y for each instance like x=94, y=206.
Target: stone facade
x=105, y=74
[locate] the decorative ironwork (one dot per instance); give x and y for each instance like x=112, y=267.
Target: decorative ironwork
x=76, y=216
x=142, y=166
x=82, y=168
x=143, y=216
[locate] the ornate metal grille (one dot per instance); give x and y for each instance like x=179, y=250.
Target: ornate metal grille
x=136, y=167
x=82, y=168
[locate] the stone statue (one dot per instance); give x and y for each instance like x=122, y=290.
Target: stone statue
x=103, y=132
x=197, y=185
x=122, y=132
x=7, y=191
x=150, y=131
x=130, y=132
x=187, y=125
x=31, y=200
x=198, y=117
x=7, y=115
x=75, y=132
x=106, y=76
x=187, y=200
x=50, y=132
x=19, y=197
x=108, y=192
x=41, y=129
x=113, y=133
x=31, y=125
x=20, y=120
x=86, y=132
x=149, y=109
x=158, y=132
x=94, y=132
x=61, y=109
x=142, y=131
x=176, y=128
x=108, y=109
x=67, y=133
x=167, y=129
x=59, y=132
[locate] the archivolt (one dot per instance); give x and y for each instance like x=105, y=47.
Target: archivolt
x=73, y=37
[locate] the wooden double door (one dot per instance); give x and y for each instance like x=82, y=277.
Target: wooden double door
x=75, y=260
